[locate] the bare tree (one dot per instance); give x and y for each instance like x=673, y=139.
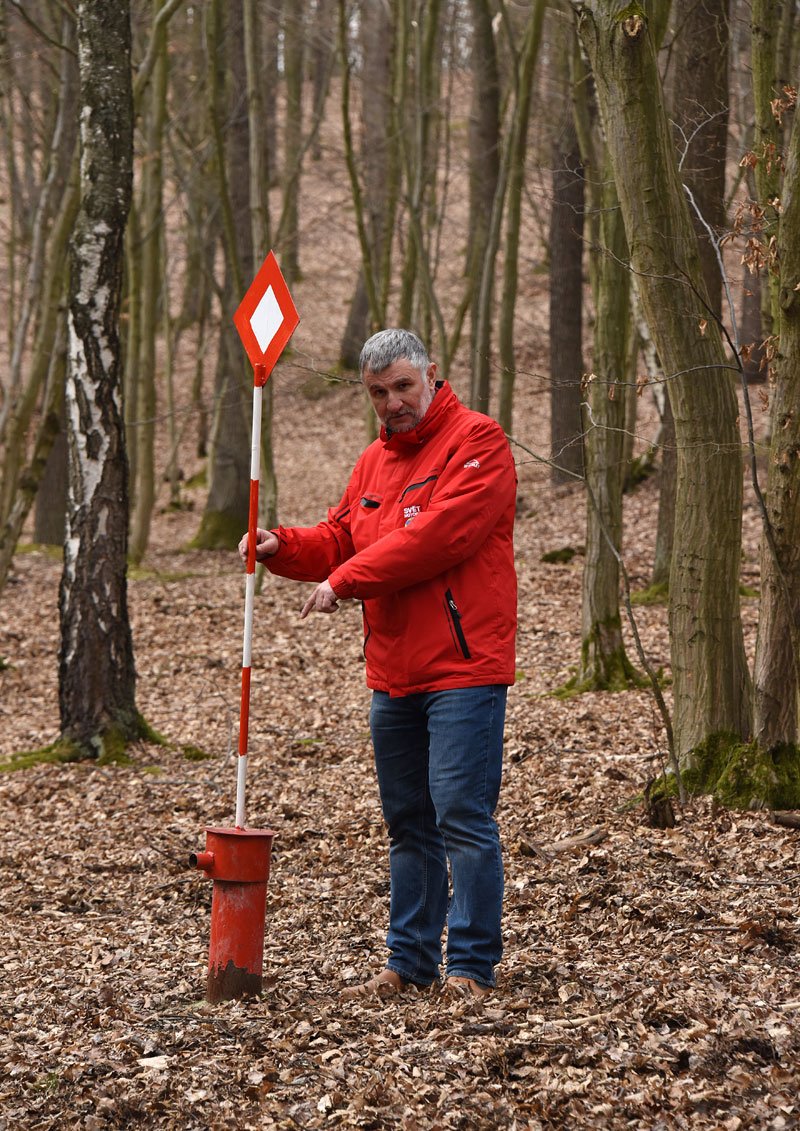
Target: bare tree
x=712, y=687
x=379, y=161
x=523, y=67
x=603, y=661
x=226, y=509
x=484, y=175
x=566, y=273
x=96, y=669
x=150, y=295
x=777, y=674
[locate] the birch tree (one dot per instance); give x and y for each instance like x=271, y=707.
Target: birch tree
x=96, y=668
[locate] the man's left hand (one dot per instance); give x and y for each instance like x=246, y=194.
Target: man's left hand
x=322, y=600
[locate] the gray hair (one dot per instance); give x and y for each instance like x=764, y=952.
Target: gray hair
x=388, y=346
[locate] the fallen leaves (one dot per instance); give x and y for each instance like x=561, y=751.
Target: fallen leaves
x=650, y=978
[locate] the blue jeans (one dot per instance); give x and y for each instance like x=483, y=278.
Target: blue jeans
x=439, y=762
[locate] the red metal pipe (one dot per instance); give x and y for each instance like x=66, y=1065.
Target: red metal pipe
x=238, y=861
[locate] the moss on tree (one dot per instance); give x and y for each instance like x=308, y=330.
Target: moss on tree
x=219, y=530
x=108, y=747
x=739, y=775
x=601, y=671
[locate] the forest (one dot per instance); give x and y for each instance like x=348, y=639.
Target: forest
x=589, y=211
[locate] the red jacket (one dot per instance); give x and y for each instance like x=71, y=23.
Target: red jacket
x=423, y=536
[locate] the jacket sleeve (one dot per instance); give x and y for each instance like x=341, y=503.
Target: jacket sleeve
x=474, y=490
x=312, y=553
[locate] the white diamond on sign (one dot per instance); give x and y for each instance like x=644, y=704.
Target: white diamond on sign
x=267, y=318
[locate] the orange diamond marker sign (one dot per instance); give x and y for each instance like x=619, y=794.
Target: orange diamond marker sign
x=267, y=317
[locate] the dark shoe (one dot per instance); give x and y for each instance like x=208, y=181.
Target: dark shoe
x=466, y=987
x=386, y=984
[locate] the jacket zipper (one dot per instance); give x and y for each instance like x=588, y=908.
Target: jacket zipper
x=455, y=619
x=413, y=486
x=368, y=630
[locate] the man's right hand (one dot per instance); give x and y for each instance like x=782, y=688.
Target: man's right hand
x=266, y=545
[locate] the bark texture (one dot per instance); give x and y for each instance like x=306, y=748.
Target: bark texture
x=765, y=29
x=777, y=681
x=603, y=661
x=700, y=114
x=96, y=668
x=711, y=681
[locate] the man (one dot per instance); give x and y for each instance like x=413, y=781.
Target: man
x=423, y=537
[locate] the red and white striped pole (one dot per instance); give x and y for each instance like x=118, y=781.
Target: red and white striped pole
x=259, y=381
x=238, y=859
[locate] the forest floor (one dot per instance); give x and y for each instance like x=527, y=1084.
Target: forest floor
x=651, y=978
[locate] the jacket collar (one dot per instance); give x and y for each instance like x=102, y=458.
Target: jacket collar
x=443, y=402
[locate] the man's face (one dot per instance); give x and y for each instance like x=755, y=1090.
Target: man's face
x=400, y=394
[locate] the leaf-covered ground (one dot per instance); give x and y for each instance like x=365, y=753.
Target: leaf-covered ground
x=651, y=978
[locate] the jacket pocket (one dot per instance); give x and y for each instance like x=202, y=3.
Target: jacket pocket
x=428, y=482
x=456, y=627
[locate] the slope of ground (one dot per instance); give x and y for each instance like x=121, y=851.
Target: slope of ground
x=651, y=978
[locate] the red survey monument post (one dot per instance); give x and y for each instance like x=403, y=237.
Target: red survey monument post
x=238, y=859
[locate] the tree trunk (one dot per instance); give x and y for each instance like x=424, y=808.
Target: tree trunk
x=8, y=155
x=293, y=48
x=226, y=510
x=700, y=113
x=415, y=112
x=519, y=147
x=96, y=669
x=376, y=81
x=566, y=306
x=50, y=220
x=765, y=28
x=665, y=530
x=272, y=15
x=751, y=336
x=48, y=428
x=260, y=239
x=777, y=678
x=151, y=221
x=323, y=44
x=604, y=664
x=711, y=683
x=484, y=174
x=50, y=513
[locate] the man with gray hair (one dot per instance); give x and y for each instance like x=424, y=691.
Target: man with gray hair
x=423, y=537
